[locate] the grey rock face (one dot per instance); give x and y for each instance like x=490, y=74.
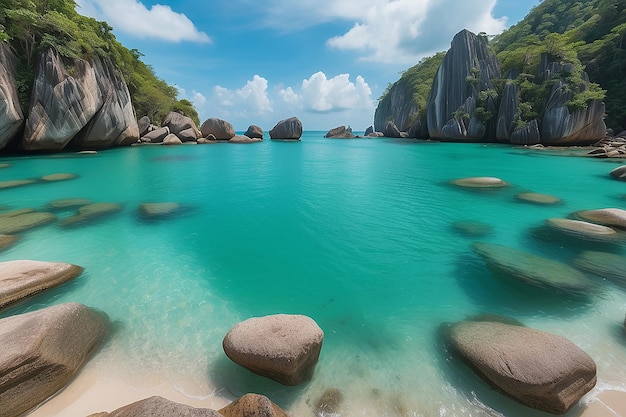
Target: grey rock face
x=156, y=136
x=22, y=279
x=114, y=123
x=540, y=370
x=254, y=132
x=143, y=125
x=452, y=100
x=369, y=131
x=340, y=132
x=528, y=135
x=392, y=131
x=221, y=129
x=61, y=105
x=506, y=113
x=160, y=407
x=282, y=347
x=11, y=117
x=41, y=351
x=181, y=126
x=172, y=139
x=398, y=106
x=290, y=129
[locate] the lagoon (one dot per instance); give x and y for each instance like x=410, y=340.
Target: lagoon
x=357, y=234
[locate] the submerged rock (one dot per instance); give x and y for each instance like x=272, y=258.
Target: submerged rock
x=288, y=129
x=281, y=347
x=244, y=139
x=532, y=269
x=89, y=213
x=329, y=403
x=68, y=203
x=538, y=369
x=606, y=265
x=472, y=228
x=537, y=198
x=11, y=116
x=582, y=230
x=41, y=351
x=252, y=405
x=160, y=407
x=220, y=129
x=20, y=221
x=155, y=211
x=480, y=182
x=23, y=279
x=609, y=217
x=58, y=177
x=15, y=183
x=7, y=240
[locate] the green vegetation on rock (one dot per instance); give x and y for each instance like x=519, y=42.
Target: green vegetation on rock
x=31, y=26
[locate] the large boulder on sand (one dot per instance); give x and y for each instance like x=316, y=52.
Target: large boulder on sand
x=41, y=351
x=253, y=405
x=159, y=407
x=288, y=129
x=281, y=347
x=22, y=279
x=540, y=370
x=533, y=269
x=220, y=129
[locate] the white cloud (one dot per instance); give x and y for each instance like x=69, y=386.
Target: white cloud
x=289, y=96
x=198, y=99
x=134, y=18
x=324, y=95
x=252, y=98
x=389, y=31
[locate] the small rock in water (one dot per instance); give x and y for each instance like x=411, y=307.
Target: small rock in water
x=582, y=230
x=480, y=182
x=608, y=217
x=90, y=213
x=68, y=203
x=329, y=402
x=22, y=220
x=7, y=240
x=15, y=183
x=472, y=228
x=58, y=177
x=152, y=211
x=3, y=165
x=537, y=198
x=606, y=265
x=619, y=173
x=252, y=405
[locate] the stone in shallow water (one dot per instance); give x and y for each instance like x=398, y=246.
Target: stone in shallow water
x=7, y=240
x=582, y=230
x=4, y=165
x=532, y=269
x=58, y=177
x=537, y=198
x=480, y=182
x=619, y=173
x=160, y=407
x=329, y=403
x=41, y=351
x=91, y=212
x=22, y=279
x=153, y=211
x=22, y=220
x=607, y=216
x=15, y=183
x=252, y=405
x=68, y=203
x=281, y=347
x=538, y=369
x=606, y=265
x=472, y=228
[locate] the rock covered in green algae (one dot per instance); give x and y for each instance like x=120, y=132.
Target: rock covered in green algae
x=91, y=212
x=606, y=265
x=533, y=269
x=538, y=369
x=19, y=221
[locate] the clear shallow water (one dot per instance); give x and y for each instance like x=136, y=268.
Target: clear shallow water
x=353, y=233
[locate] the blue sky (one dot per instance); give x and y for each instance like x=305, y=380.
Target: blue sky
x=324, y=61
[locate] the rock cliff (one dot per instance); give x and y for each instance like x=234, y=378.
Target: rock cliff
x=466, y=70
x=61, y=104
x=11, y=117
x=397, y=106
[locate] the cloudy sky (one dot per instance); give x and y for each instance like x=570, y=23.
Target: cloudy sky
x=324, y=61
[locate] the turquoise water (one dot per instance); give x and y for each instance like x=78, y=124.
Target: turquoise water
x=356, y=234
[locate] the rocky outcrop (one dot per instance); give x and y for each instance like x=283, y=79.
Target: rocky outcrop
x=61, y=105
x=254, y=131
x=181, y=126
x=172, y=139
x=369, y=131
x=540, y=370
x=340, y=132
x=143, y=125
x=156, y=136
x=220, y=129
x=392, y=131
x=466, y=70
x=253, y=405
x=281, y=347
x=288, y=129
x=11, y=117
x=22, y=279
x=41, y=351
x=397, y=106
x=505, y=121
x=159, y=407
x=115, y=122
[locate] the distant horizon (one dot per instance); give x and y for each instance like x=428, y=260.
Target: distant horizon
x=325, y=63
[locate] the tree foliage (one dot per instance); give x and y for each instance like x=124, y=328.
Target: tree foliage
x=31, y=26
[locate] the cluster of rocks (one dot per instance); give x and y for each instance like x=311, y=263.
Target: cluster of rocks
x=41, y=351
x=610, y=147
x=462, y=94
